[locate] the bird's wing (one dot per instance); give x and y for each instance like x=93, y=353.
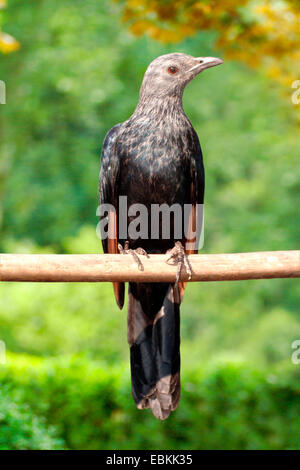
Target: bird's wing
x=195, y=221
x=108, y=192
x=196, y=198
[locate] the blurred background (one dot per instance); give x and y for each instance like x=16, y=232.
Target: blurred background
x=72, y=70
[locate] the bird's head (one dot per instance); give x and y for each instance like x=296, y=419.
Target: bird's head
x=169, y=74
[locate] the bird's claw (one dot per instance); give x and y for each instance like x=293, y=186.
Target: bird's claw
x=138, y=251
x=178, y=255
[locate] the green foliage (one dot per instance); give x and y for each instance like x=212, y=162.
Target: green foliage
x=55, y=319
x=226, y=405
x=20, y=428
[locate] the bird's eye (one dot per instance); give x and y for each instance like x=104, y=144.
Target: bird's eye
x=172, y=70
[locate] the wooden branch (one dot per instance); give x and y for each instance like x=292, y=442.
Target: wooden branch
x=99, y=268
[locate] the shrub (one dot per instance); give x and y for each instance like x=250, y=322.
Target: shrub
x=227, y=405
x=20, y=428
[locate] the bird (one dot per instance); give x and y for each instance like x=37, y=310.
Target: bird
x=154, y=158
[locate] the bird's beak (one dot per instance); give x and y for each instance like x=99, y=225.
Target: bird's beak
x=202, y=63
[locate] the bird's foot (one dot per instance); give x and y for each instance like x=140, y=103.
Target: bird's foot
x=180, y=258
x=138, y=251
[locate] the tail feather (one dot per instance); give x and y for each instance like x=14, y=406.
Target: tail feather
x=154, y=339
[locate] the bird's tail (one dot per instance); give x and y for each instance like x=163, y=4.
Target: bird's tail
x=154, y=339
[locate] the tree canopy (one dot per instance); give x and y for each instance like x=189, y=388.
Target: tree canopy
x=257, y=32
x=261, y=33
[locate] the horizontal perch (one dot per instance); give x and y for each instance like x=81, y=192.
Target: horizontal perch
x=99, y=268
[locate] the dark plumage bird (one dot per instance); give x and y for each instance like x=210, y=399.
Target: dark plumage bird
x=155, y=158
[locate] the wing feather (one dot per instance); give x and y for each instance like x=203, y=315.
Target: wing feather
x=108, y=194
x=197, y=186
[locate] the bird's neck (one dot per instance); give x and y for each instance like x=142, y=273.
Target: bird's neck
x=159, y=107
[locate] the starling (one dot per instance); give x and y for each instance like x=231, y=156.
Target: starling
x=154, y=158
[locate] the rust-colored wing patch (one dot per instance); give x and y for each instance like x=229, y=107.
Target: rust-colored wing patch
x=112, y=246
x=190, y=246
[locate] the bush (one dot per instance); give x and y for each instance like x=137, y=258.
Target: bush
x=228, y=405
x=20, y=428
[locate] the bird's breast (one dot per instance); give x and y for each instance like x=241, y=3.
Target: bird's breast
x=153, y=176
x=155, y=165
